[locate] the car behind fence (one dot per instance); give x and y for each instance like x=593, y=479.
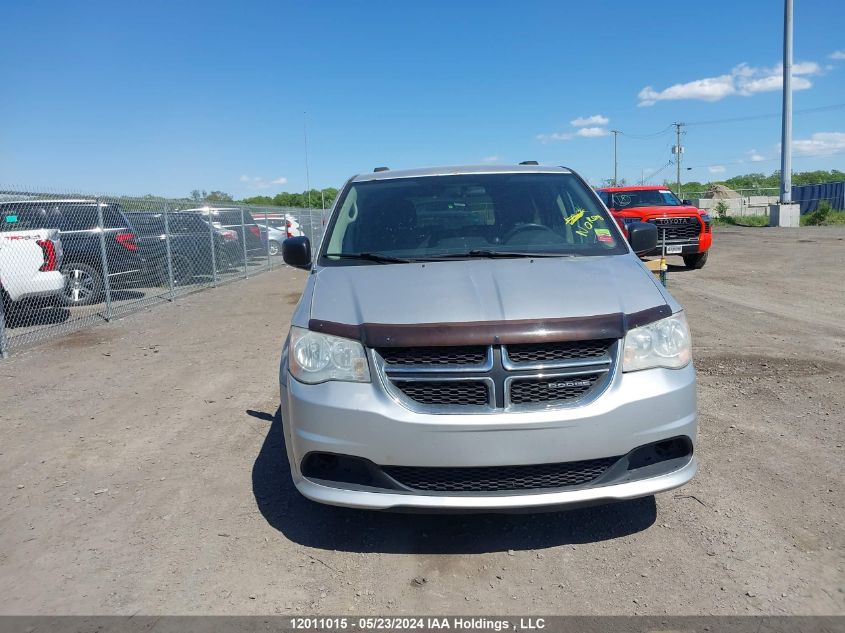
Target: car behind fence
x=68, y=261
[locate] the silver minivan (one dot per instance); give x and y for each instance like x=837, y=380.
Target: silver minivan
x=483, y=338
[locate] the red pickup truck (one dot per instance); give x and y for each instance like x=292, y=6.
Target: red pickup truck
x=683, y=229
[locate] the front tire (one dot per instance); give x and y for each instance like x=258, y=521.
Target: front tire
x=83, y=285
x=274, y=247
x=695, y=262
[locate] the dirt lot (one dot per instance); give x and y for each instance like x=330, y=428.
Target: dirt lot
x=143, y=471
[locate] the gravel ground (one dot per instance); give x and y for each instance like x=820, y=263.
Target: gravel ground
x=143, y=472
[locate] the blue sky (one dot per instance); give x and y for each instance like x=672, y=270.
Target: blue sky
x=164, y=97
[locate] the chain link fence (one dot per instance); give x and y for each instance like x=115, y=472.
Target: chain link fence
x=68, y=261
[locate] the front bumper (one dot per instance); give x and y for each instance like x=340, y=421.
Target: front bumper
x=691, y=248
x=361, y=420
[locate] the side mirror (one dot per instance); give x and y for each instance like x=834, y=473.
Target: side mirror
x=686, y=202
x=296, y=251
x=642, y=236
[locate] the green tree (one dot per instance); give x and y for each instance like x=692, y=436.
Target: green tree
x=219, y=196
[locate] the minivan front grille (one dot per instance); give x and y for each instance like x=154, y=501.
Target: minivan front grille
x=467, y=355
x=497, y=377
x=551, y=389
x=455, y=393
x=565, y=351
x=500, y=478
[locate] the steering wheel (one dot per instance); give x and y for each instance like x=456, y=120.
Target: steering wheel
x=520, y=228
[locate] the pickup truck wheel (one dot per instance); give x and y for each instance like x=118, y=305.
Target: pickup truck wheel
x=83, y=285
x=274, y=247
x=696, y=261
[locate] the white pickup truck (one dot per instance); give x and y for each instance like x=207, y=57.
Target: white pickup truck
x=29, y=261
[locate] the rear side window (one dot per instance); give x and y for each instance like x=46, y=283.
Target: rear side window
x=76, y=217
x=20, y=218
x=187, y=223
x=231, y=218
x=152, y=224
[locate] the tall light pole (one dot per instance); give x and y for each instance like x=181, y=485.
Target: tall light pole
x=786, y=128
x=307, y=175
x=615, y=160
x=678, y=151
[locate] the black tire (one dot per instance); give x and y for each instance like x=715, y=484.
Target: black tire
x=695, y=262
x=274, y=247
x=183, y=270
x=83, y=285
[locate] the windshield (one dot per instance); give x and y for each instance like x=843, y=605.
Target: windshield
x=643, y=198
x=436, y=217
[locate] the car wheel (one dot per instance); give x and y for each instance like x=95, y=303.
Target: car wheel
x=83, y=285
x=274, y=247
x=183, y=270
x=696, y=261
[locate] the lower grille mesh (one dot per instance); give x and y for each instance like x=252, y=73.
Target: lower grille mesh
x=552, y=389
x=500, y=478
x=457, y=392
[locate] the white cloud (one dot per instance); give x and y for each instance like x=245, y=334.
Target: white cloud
x=716, y=169
x=743, y=80
x=491, y=159
x=554, y=137
x=837, y=55
x=257, y=182
x=754, y=156
x=708, y=89
x=590, y=132
x=820, y=144
x=596, y=119
x=588, y=127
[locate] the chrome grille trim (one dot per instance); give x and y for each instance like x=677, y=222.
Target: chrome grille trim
x=499, y=375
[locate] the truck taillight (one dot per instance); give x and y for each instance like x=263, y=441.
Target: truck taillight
x=255, y=230
x=288, y=226
x=127, y=241
x=49, y=251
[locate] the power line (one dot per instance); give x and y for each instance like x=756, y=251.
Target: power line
x=642, y=137
x=773, y=115
x=739, y=119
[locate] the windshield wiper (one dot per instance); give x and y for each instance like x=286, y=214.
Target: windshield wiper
x=373, y=257
x=493, y=254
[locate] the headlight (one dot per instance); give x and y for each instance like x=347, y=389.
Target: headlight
x=315, y=357
x=664, y=343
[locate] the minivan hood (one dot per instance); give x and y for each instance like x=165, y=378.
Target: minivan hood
x=483, y=290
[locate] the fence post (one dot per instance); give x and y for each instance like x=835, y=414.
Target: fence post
x=267, y=230
x=213, y=255
x=4, y=342
x=169, y=252
x=104, y=259
x=243, y=234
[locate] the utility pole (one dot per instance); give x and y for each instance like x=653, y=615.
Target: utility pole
x=307, y=175
x=786, y=129
x=678, y=151
x=615, y=161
